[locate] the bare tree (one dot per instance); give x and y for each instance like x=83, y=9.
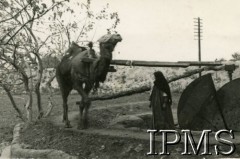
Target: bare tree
x=236, y=56
x=24, y=43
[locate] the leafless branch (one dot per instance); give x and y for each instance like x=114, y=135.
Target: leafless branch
x=20, y=114
x=192, y=72
x=44, y=42
x=68, y=36
x=34, y=18
x=82, y=29
x=14, y=53
x=14, y=16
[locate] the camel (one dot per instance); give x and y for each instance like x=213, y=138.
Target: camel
x=77, y=72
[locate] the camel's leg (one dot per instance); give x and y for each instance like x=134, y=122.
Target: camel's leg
x=85, y=115
x=81, y=108
x=65, y=90
x=65, y=94
x=87, y=90
x=65, y=84
x=84, y=105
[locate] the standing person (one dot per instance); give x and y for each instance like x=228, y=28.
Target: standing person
x=160, y=102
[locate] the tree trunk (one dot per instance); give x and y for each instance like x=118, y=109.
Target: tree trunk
x=51, y=103
x=192, y=72
x=147, y=87
x=20, y=114
x=37, y=86
x=120, y=94
x=28, y=105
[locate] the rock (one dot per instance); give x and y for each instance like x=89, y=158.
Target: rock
x=3, y=146
x=128, y=149
x=116, y=126
x=6, y=152
x=128, y=121
x=134, y=128
x=117, y=143
x=25, y=146
x=179, y=149
x=139, y=148
x=93, y=156
x=102, y=147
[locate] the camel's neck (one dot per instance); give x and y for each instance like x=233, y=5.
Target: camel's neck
x=106, y=50
x=102, y=69
x=104, y=61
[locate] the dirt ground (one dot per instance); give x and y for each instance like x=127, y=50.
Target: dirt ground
x=51, y=134
x=43, y=135
x=8, y=116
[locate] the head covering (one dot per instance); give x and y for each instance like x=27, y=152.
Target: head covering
x=161, y=83
x=159, y=76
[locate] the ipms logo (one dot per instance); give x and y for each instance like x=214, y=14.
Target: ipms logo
x=222, y=137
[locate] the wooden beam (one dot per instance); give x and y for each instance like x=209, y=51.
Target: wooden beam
x=202, y=63
x=119, y=94
x=149, y=63
x=164, y=64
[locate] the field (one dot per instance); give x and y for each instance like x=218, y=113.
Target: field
x=102, y=140
x=51, y=136
x=49, y=133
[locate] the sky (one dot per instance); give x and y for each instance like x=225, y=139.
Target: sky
x=163, y=30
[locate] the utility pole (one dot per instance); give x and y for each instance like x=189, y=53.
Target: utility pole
x=198, y=31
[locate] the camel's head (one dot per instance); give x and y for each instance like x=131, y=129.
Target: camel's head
x=110, y=38
x=107, y=44
x=109, y=41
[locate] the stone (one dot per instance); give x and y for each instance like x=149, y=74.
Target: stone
x=139, y=148
x=102, y=147
x=4, y=148
x=128, y=121
x=128, y=149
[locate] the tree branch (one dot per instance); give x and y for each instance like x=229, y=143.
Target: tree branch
x=147, y=87
x=14, y=16
x=34, y=18
x=82, y=29
x=192, y=72
x=20, y=114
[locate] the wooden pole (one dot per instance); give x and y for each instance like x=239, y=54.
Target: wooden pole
x=199, y=43
x=199, y=32
x=164, y=64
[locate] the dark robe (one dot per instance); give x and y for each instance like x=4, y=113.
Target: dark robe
x=162, y=117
